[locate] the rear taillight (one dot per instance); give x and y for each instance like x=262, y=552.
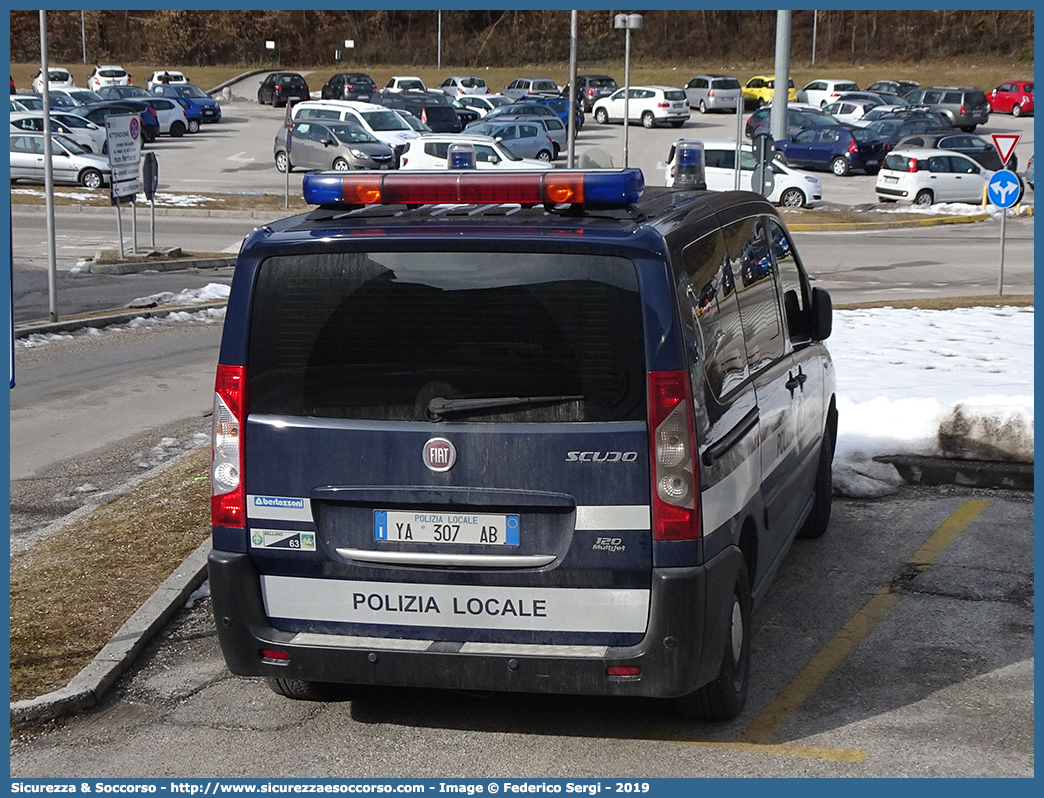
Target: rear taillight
x=853, y=146
x=663, y=105
x=675, y=478
x=963, y=113
x=227, y=492
x=710, y=93
x=912, y=165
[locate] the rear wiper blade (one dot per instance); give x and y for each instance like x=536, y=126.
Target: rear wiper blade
x=439, y=407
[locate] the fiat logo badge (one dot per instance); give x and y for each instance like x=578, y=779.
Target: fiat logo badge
x=439, y=454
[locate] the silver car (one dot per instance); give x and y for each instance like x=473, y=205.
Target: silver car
x=70, y=163
x=83, y=131
x=524, y=139
x=330, y=145
x=551, y=124
x=713, y=93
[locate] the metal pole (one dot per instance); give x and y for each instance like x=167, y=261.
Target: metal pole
x=627, y=88
x=739, y=138
x=439, y=59
x=815, y=24
x=83, y=36
x=1000, y=280
x=152, y=220
x=781, y=91
x=119, y=228
x=571, y=130
x=134, y=227
x=52, y=266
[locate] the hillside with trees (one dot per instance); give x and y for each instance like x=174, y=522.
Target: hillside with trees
x=475, y=38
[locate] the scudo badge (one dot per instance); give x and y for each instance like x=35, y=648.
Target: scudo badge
x=439, y=454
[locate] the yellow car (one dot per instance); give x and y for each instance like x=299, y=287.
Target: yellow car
x=760, y=88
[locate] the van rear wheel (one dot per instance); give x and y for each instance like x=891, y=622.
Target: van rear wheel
x=302, y=690
x=723, y=698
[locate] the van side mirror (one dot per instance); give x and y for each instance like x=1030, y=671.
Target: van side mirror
x=822, y=315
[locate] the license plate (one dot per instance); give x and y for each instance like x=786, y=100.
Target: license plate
x=422, y=526
x=364, y=97
x=871, y=163
x=891, y=179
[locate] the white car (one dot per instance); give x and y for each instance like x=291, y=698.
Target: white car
x=824, y=91
x=792, y=188
x=482, y=104
x=76, y=96
x=25, y=102
x=849, y=112
x=458, y=86
x=649, y=105
x=383, y=123
x=70, y=163
x=173, y=120
x=163, y=76
x=57, y=78
x=924, y=177
x=405, y=83
x=108, y=75
x=429, y=152
x=83, y=131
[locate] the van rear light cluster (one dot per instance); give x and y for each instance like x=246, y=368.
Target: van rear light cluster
x=675, y=478
x=227, y=492
x=554, y=187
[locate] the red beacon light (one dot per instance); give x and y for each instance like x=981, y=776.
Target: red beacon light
x=469, y=186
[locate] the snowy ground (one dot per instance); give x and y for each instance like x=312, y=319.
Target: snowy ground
x=954, y=383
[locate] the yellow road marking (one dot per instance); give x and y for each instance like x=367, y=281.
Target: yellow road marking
x=806, y=751
x=812, y=676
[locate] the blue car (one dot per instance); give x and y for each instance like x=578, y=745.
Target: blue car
x=96, y=112
x=559, y=105
x=193, y=112
x=835, y=148
x=209, y=110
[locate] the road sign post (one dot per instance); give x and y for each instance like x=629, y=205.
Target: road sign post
x=124, y=137
x=1004, y=190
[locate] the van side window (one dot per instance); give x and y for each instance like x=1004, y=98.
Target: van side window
x=707, y=298
x=793, y=285
x=759, y=307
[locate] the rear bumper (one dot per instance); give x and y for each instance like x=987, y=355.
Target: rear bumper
x=681, y=650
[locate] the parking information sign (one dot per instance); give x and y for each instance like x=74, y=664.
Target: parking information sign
x=124, y=134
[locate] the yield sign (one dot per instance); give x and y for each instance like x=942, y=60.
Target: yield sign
x=1005, y=144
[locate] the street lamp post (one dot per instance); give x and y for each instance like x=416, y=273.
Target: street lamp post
x=627, y=22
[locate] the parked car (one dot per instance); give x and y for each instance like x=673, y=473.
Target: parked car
x=713, y=93
x=122, y=93
x=517, y=109
x=57, y=78
x=1014, y=97
x=552, y=125
x=524, y=139
x=760, y=89
x=824, y=91
x=650, y=105
x=339, y=146
x=168, y=77
x=900, y=87
x=520, y=87
x=384, y=124
x=209, y=109
x=905, y=113
x=70, y=163
x=96, y=112
x=849, y=111
x=964, y=107
x=792, y=188
x=799, y=117
x=560, y=105
x=835, y=148
x=405, y=83
x=895, y=129
x=349, y=86
x=1028, y=174
x=413, y=121
x=83, y=132
x=279, y=88
x=430, y=152
x=26, y=102
x=925, y=177
x=60, y=101
x=438, y=117
x=464, y=114
x=76, y=96
x=107, y=75
x=171, y=115
x=591, y=88
x=457, y=86
x=482, y=104
x=975, y=147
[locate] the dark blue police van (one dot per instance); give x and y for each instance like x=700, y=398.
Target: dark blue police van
x=536, y=432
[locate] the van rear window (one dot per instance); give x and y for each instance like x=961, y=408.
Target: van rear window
x=379, y=335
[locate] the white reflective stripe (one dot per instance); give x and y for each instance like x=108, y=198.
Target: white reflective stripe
x=369, y=643
x=456, y=606
x=523, y=650
x=279, y=508
x=612, y=518
x=727, y=498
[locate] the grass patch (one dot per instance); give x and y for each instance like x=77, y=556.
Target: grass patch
x=945, y=303
x=71, y=592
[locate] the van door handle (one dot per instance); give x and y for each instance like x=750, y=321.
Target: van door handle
x=729, y=440
x=796, y=382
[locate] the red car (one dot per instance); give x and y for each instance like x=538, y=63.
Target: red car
x=1014, y=97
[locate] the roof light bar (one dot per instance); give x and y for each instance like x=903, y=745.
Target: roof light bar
x=470, y=186
x=690, y=165
x=460, y=156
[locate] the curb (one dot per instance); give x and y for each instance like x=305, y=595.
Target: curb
x=137, y=266
x=90, y=684
x=934, y=471
x=72, y=324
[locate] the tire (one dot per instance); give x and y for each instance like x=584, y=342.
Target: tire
x=677, y=122
x=723, y=698
x=281, y=161
x=1016, y=110
x=924, y=198
x=341, y=165
x=177, y=130
x=148, y=135
x=557, y=150
x=648, y=120
x=91, y=178
x=260, y=101
x=193, y=126
x=819, y=519
x=544, y=156
x=792, y=198
x=301, y=690
x=839, y=166
x=968, y=128
x=601, y=116
x=703, y=107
